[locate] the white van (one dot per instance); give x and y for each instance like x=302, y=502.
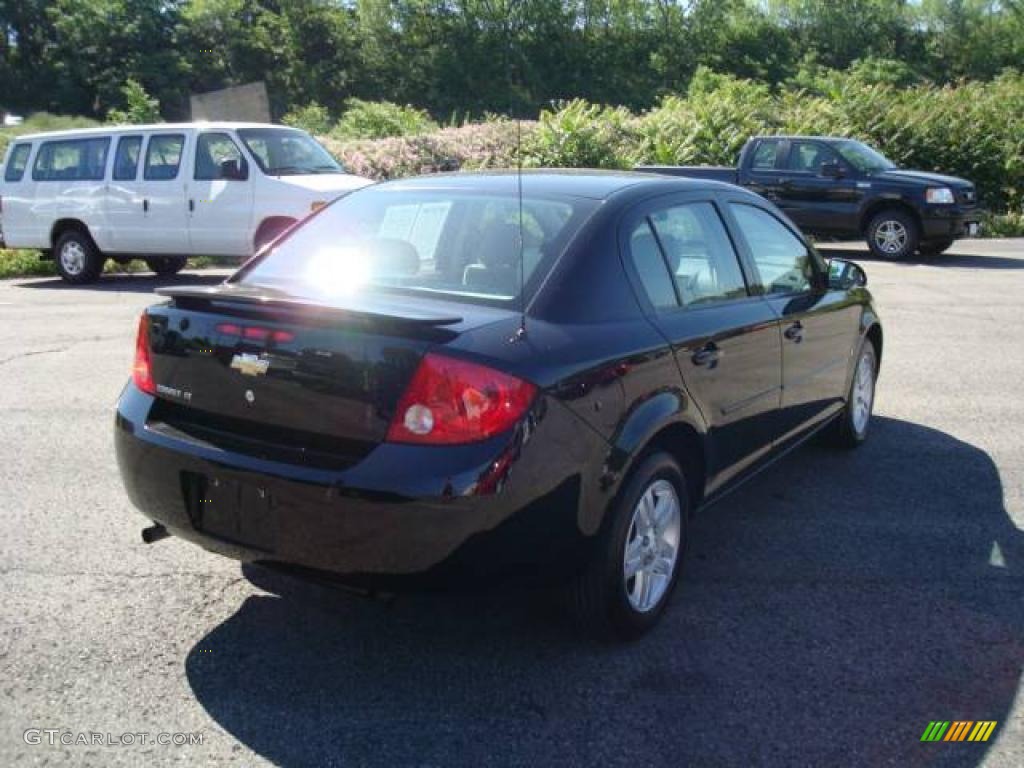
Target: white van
x=161, y=192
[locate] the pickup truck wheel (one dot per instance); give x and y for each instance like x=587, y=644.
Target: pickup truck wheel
x=78, y=260
x=166, y=265
x=893, y=234
x=638, y=556
x=935, y=247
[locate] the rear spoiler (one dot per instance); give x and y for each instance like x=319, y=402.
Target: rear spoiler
x=380, y=310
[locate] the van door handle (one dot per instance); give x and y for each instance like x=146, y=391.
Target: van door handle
x=795, y=332
x=707, y=355
x=145, y=206
x=191, y=205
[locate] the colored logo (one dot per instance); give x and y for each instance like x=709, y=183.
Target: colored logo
x=959, y=730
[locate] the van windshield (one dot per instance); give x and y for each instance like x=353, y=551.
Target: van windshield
x=457, y=244
x=288, y=152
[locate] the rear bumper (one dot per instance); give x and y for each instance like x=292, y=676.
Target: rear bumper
x=943, y=222
x=513, y=507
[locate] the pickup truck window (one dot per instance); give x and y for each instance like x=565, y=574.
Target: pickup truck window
x=16, y=163
x=784, y=263
x=809, y=156
x=163, y=156
x=764, y=156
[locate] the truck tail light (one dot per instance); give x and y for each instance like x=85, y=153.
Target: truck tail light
x=450, y=402
x=142, y=369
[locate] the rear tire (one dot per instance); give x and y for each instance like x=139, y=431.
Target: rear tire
x=935, y=247
x=646, y=535
x=893, y=234
x=78, y=259
x=166, y=265
x=850, y=428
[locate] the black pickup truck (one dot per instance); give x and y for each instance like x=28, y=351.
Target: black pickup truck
x=840, y=188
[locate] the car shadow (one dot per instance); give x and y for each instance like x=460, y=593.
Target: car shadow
x=830, y=609
x=948, y=259
x=145, y=282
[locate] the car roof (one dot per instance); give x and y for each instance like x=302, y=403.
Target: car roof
x=106, y=130
x=586, y=183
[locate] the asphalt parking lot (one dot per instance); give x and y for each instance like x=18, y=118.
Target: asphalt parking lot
x=831, y=608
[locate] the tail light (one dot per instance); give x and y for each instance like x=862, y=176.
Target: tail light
x=142, y=369
x=452, y=401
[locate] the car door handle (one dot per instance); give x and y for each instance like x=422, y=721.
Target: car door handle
x=707, y=355
x=145, y=206
x=795, y=332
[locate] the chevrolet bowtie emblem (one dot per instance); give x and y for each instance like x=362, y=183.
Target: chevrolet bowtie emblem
x=250, y=365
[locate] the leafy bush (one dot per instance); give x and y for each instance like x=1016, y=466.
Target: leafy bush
x=382, y=119
x=313, y=118
x=139, y=106
x=584, y=135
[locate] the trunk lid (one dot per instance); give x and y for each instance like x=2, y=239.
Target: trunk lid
x=263, y=372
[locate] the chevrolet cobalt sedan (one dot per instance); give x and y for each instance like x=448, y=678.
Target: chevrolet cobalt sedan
x=494, y=376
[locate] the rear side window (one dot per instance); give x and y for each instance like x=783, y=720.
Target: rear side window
x=126, y=159
x=809, y=156
x=650, y=266
x=163, y=156
x=212, y=150
x=764, y=156
x=17, y=162
x=71, y=160
x=784, y=263
x=699, y=253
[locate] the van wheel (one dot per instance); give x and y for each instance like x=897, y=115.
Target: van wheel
x=78, y=260
x=166, y=265
x=638, y=557
x=893, y=234
x=268, y=231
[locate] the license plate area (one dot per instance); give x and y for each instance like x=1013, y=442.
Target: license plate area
x=234, y=511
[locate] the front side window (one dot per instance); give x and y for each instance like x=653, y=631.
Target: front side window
x=71, y=160
x=126, y=158
x=212, y=151
x=462, y=244
x=809, y=156
x=287, y=152
x=699, y=254
x=163, y=156
x=17, y=162
x=784, y=263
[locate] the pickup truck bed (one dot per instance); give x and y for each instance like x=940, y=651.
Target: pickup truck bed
x=724, y=173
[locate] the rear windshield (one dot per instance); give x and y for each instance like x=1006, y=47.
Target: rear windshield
x=453, y=243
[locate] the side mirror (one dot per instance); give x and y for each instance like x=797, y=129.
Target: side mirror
x=844, y=275
x=232, y=170
x=831, y=170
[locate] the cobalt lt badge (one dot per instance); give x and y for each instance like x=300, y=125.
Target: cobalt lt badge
x=249, y=397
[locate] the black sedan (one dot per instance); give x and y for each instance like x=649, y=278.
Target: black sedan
x=499, y=376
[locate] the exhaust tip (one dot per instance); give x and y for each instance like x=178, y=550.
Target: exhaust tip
x=154, y=534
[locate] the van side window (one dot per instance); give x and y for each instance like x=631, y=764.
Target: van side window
x=71, y=160
x=17, y=162
x=126, y=159
x=212, y=149
x=163, y=156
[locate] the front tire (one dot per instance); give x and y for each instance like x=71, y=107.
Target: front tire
x=166, y=265
x=78, y=259
x=893, y=234
x=851, y=426
x=638, y=557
